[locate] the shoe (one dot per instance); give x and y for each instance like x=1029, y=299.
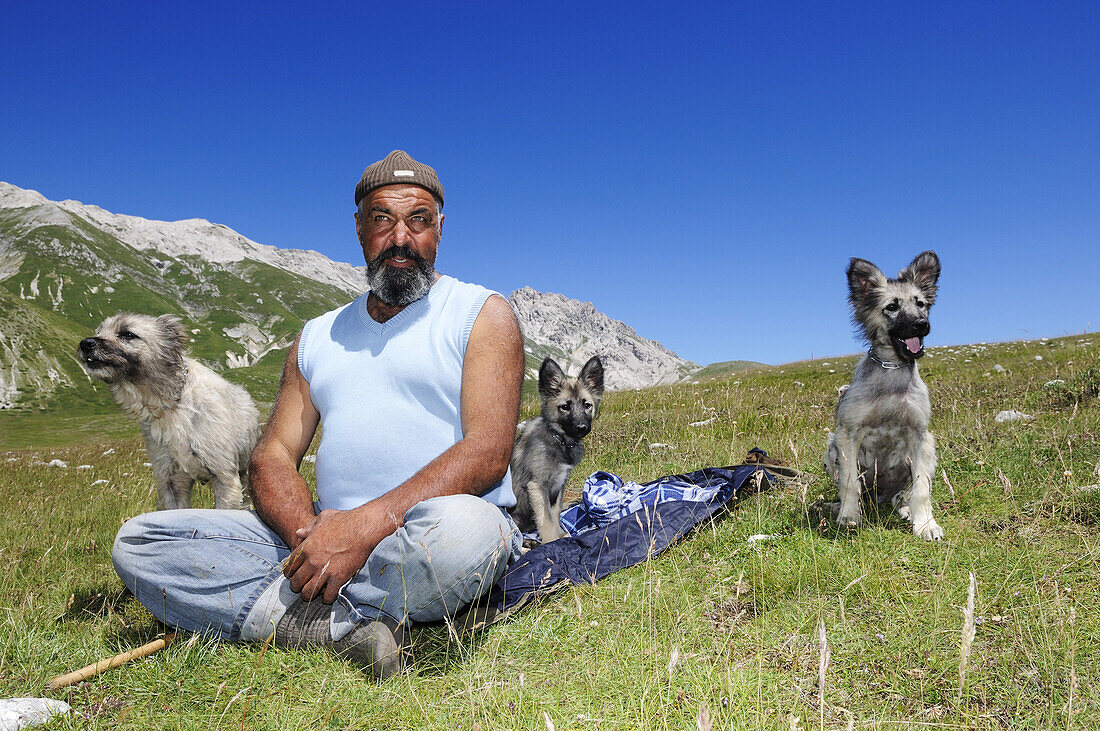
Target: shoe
x=377, y=646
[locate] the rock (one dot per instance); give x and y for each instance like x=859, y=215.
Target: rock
x=571, y=331
x=16, y=713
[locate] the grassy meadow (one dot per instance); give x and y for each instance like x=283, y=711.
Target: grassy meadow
x=808, y=628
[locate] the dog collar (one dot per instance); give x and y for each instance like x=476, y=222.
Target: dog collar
x=563, y=442
x=888, y=365
x=183, y=382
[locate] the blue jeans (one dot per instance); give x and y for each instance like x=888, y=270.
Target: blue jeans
x=218, y=571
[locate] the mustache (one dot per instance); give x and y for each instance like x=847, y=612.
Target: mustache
x=397, y=251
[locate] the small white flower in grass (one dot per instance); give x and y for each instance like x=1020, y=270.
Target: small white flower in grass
x=109, y=451
x=99, y=482
x=1053, y=383
x=703, y=423
x=56, y=463
x=310, y=458
x=673, y=661
x=84, y=467
x=1038, y=357
x=798, y=383
x=660, y=445
x=146, y=464
x=754, y=540
x=999, y=368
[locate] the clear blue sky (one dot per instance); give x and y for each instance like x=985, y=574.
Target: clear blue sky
x=702, y=172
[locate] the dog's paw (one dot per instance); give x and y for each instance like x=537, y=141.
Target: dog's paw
x=929, y=530
x=848, y=519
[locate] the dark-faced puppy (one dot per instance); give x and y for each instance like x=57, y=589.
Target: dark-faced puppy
x=882, y=449
x=197, y=425
x=548, y=447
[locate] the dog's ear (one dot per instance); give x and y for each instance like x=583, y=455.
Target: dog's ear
x=863, y=279
x=592, y=376
x=173, y=330
x=923, y=271
x=551, y=378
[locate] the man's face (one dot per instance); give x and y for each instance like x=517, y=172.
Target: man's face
x=399, y=228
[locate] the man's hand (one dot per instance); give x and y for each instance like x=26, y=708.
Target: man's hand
x=334, y=547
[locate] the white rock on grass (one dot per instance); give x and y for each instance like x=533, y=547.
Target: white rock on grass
x=16, y=713
x=1012, y=415
x=56, y=463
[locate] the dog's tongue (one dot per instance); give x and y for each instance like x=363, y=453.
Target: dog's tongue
x=912, y=345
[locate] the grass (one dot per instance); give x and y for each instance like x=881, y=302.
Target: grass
x=714, y=624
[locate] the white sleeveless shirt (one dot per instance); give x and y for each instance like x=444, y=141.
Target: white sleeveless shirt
x=388, y=393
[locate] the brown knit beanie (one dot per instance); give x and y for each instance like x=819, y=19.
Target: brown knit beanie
x=397, y=168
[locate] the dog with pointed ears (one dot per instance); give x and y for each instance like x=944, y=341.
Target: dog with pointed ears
x=548, y=447
x=882, y=450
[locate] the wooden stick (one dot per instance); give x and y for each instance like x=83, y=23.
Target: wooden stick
x=112, y=662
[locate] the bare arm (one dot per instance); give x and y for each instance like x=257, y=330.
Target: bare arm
x=336, y=545
x=283, y=500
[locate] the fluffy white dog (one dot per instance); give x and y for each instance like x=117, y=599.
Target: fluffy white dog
x=197, y=425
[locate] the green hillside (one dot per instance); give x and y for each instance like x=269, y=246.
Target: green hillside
x=63, y=278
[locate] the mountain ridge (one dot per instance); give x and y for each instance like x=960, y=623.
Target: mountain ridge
x=65, y=266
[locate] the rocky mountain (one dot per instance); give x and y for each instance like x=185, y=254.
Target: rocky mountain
x=571, y=332
x=65, y=266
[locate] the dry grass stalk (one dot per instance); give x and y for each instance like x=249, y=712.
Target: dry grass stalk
x=702, y=721
x=822, y=668
x=946, y=481
x=967, y=634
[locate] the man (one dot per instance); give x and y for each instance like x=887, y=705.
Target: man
x=416, y=387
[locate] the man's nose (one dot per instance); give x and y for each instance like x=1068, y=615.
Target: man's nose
x=400, y=233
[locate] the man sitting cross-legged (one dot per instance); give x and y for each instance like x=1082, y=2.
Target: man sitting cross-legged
x=416, y=387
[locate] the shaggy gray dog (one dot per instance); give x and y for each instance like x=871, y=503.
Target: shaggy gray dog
x=882, y=448
x=197, y=425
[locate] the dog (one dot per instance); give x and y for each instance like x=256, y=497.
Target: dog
x=197, y=425
x=882, y=449
x=548, y=447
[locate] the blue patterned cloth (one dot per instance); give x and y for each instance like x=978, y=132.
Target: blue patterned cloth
x=607, y=497
x=620, y=524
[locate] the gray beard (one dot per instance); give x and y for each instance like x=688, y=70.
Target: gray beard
x=400, y=287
